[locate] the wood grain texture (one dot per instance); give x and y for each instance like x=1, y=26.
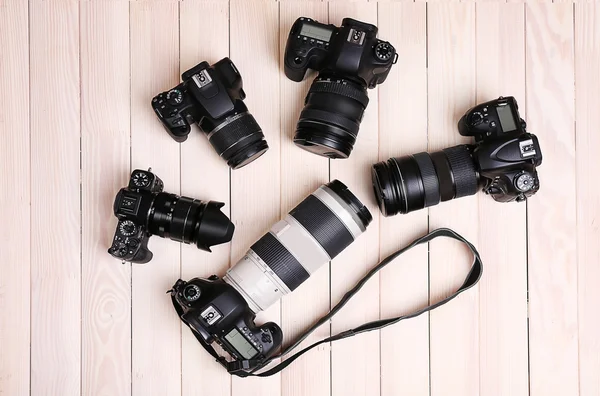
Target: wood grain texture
x=454, y=329
x=301, y=174
x=204, y=175
x=105, y=116
x=255, y=189
x=587, y=87
x=355, y=361
x=15, y=196
x=553, y=338
x=503, y=291
x=55, y=199
x=156, y=329
x=403, y=131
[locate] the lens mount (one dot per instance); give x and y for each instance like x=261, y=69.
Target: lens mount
x=329, y=123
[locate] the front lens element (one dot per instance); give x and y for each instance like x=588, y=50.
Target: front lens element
x=331, y=117
x=417, y=181
x=313, y=233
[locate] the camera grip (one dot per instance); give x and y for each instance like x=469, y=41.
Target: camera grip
x=130, y=243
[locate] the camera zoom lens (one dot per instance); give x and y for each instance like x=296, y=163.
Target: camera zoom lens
x=189, y=220
x=313, y=233
x=331, y=117
x=417, y=181
x=238, y=139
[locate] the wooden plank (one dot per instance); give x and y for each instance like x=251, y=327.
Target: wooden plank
x=587, y=86
x=156, y=330
x=55, y=199
x=454, y=337
x=302, y=173
x=106, y=304
x=15, y=196
x=355, y=361
x=204, y=175
x=553, y=338
x=403, y=131
x=255, y=189
x=502, y=227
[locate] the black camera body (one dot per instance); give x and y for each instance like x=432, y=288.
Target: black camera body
x=352, y=51
x=143, y=209
x=507, y=156
x=212, y=97
x=216, y=312
x=349, y=59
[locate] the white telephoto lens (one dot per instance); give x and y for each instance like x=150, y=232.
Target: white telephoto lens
x=313, y=233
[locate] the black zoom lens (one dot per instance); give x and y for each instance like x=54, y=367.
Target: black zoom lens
x=331, y=117
x=189, y=220
x=420, y=180
x=239, y=139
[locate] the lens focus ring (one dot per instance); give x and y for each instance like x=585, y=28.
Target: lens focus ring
x=463, y=170
x=347, y=90
x=429, y=178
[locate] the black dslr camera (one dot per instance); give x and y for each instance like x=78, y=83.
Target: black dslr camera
x=212, y=97
x=502, y=162
x=349, y=59
x=144, y=210
x=226, y=319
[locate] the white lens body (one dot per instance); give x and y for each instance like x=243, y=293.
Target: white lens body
x=256, y=281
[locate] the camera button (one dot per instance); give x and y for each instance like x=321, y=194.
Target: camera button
x=298, y=60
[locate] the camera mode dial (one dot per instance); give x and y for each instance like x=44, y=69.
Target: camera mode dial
x=191, y=292
x=174, y=97
x=140, y=179
x=525, y=182
x=127, y=228
x=383, y=51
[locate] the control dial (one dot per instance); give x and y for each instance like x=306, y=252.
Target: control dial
x=140, y=179
x=127, y=228
x=525, y=182
x=174, y=97
x=384, y=51
x=192, y=293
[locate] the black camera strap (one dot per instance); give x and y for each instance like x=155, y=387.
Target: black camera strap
x=245, y=368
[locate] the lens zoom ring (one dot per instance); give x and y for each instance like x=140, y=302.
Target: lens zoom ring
x=327, y=229
x=234, y=131
x=347, y=90
x=280, y=260
x=463, y=169
x=429, y=178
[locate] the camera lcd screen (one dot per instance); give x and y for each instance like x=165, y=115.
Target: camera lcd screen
x=507, y=121
x=239, y=342
x=316, y=32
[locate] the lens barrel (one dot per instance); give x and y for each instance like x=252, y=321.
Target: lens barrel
x=329, y=123
x=189, y=220
x=239, y=139
x=417, y=181
x=313, y=233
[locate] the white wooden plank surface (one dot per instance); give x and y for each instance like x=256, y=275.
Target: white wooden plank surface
x=55, y=199
x=156, y=330
x=553, y=331
x=403, y=131
x=454, y=328
x=587, y=88
x=302, y=173
x=204, y=175
x=105, y=135
x=255, y=188
x=15, y=196
x=78, y=78
x=502, y=227
x=355, y=361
